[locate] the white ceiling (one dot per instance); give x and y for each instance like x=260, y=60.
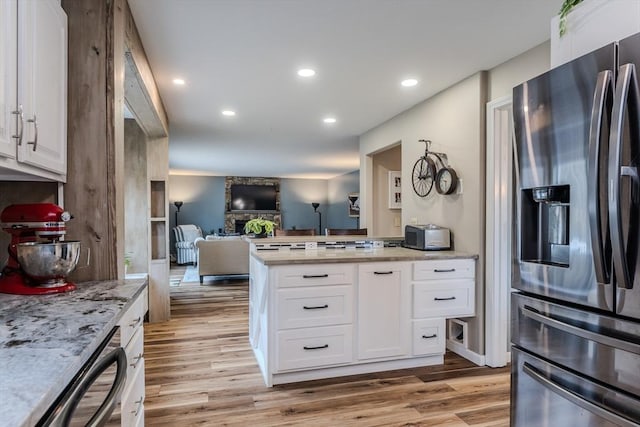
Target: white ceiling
x=243, y=55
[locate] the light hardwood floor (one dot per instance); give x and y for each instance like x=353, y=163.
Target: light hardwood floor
x=200, y=371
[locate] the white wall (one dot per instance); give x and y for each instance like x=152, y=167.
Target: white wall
x=454, y=121
x=505, y=76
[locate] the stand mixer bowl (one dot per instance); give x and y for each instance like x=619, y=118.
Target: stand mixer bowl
x=48, y=264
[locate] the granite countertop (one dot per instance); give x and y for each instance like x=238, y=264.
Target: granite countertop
x=330, y=255
x=45, y=340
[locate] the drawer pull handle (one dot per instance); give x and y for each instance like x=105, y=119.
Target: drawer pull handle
x=383, y=272
x=317, y=307
x=320, y=347
x=139, y=403
x=135, y=322
x=444, y=299
x=314, y=276
x=138, y=358
x=445, y=270
x=426, y=337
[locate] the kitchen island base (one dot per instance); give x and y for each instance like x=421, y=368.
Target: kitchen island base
x=327, y=317
x=355, y=369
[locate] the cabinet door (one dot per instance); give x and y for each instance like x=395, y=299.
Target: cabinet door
x=8, y=82
x=384, y=325
x=42, y=83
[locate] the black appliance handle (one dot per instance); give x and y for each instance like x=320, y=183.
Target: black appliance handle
x=625, y=101
x=583, y=332
x=601, y=95
x=576, y=398
x=100, y=418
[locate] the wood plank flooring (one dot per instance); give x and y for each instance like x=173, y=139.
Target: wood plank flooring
x=200, y=371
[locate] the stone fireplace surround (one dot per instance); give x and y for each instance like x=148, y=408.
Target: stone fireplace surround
x=231, y=217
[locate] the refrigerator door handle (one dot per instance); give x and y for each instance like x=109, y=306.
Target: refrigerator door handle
x=576, y=398
x=601, y=95
x=607, y=340
x=626, y=86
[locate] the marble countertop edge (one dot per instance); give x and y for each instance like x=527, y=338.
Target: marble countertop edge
x=337, y=256
x=38, y=366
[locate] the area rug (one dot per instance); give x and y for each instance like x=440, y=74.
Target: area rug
x=191, y=275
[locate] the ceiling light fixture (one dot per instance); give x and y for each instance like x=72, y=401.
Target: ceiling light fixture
x=329, y=120
x=409, y=82
x=178, y=82
x=306, y=72
x=228, y=113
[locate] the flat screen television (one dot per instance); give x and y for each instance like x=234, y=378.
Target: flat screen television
x=247, y=197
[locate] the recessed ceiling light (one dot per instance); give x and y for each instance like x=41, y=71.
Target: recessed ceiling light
x=306, y=72
x=329, y=120
x=228, y=113
x=409, y=82
x=178, y=82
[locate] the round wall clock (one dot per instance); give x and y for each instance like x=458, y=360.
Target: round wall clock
x=424, y=172
x=446, y=181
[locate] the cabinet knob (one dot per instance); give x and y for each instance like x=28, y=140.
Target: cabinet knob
x=35, y=132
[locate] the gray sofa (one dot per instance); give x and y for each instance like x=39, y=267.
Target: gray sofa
x=222, y=257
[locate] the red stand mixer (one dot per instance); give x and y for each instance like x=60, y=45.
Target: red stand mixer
x=38, y=261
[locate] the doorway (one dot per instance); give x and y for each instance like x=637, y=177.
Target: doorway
x=386, y=216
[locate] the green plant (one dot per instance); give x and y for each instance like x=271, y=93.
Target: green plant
x=567, y=5
x=259, y=226
x=128, y=259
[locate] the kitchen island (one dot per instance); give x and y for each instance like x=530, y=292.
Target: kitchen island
x=332, y=307
x=45, y=340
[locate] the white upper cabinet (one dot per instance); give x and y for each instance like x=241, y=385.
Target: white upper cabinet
x=33, y=90
x=591, y=25
x=42, y=83
x=8, y=88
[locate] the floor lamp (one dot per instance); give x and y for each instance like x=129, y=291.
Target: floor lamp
x=178, y=205
x=315, y=209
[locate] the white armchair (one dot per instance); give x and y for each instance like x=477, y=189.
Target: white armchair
x=186, y=236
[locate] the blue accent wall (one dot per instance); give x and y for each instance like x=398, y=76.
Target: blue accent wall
x=296, y=196
x=338, y=209
x=203, y=198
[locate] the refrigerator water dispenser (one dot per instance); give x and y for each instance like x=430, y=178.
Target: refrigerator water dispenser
x=545, y=225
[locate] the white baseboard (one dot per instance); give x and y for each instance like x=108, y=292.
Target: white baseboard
x=461, y=350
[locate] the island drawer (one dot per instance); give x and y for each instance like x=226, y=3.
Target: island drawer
x=131, y=406
x=314, y=306
x=451, y=299
x=444, y=269
x=314, y=275
x=135, y=353
x=132, y=319
x=429, y=336
x=311, y=347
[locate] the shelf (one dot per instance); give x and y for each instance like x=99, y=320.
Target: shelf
x=157, y=203
x=158, y=240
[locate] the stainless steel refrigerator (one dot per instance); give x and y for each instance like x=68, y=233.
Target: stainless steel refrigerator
x=575, y=309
